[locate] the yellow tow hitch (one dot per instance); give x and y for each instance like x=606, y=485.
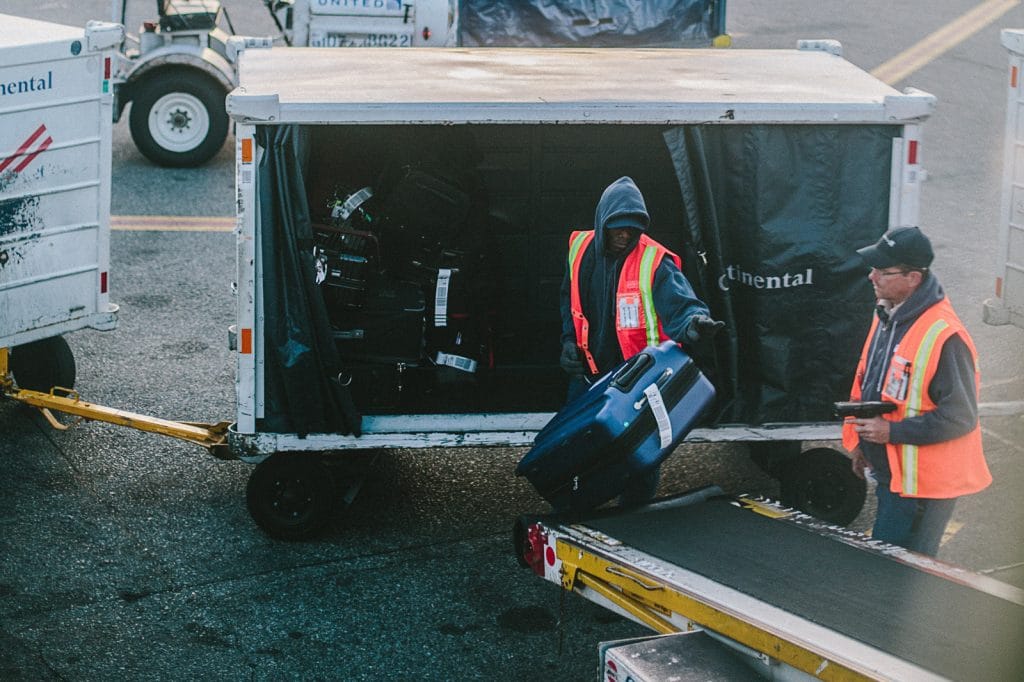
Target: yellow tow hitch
x=213, y=437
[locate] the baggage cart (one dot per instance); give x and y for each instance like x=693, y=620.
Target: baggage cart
x=765, y=169
x=55, y=157
x=1007, y=307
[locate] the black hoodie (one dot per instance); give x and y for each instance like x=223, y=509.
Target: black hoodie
x=951, y=389
x=674, y=299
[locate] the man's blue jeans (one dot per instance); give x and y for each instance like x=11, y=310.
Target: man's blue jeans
x=912, y=522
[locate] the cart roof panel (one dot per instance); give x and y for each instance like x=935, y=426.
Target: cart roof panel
x=517, y=85
x=18, y=31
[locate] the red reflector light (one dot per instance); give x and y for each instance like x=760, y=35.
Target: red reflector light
x=1013, y=76
x=103, y=282
x=999, y=287
x=246, y=347
x=106, y=68
x=426, y=33
x=247, y=150
x=534, y=553
x=912, y=152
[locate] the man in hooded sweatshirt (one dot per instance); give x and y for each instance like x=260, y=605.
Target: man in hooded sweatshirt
x=622, y=292
x=918, y=355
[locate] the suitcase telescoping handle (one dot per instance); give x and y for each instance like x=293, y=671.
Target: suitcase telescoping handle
x=630, y=373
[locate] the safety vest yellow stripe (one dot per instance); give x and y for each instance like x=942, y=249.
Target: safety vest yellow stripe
x=915, y=398
x=646, y=295
x=574, y=248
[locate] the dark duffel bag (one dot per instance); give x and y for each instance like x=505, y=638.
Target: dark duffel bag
x=624, y=425
x=422, y=209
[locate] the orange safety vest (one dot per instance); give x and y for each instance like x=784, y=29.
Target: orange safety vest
x=636, y=321
x=940, y=470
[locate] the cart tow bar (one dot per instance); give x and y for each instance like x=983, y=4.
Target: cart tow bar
x=213, y=437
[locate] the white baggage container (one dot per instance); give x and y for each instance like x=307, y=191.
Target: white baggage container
x=1008, y=305
x=836, y=158
x=55, y=170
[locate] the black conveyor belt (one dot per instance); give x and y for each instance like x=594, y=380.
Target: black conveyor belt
x=952, y=629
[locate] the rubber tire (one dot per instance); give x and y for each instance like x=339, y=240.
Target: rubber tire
x=772, y=457
x=210, y=94
x=291, y=496
x=821, y=483
x=43, y=364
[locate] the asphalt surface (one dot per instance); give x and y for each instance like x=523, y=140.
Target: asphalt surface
x=131, y=556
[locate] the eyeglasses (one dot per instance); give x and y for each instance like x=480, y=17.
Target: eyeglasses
x=888, y=273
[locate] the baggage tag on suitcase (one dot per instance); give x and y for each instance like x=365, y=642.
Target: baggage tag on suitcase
x=661, y=418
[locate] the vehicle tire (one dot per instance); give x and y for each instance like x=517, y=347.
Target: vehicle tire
x=821, y=483
x=772, y=457
x=291, y=496
x=43, y=364
x=178, y=117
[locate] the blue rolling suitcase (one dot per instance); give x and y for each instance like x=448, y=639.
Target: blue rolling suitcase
x=625, y=424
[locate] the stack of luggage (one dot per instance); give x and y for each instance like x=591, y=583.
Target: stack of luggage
x=404, y=278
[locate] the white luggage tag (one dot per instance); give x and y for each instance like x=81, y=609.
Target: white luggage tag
x=344, y=210
x=444, y=276
x=657, y=404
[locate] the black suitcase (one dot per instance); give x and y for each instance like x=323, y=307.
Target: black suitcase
x=388, y=328
x=625, y=424
x=345, y=260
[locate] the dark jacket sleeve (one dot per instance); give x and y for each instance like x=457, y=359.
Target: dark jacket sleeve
x=953, y=391
x=565, y=305
x=674, y=300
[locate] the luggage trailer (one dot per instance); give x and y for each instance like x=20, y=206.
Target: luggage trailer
x=793, y=597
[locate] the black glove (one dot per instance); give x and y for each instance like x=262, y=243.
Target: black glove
x=702, y=328
x=570, y=359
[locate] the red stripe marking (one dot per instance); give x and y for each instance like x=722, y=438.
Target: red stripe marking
x=28, y=159
x=25, y=145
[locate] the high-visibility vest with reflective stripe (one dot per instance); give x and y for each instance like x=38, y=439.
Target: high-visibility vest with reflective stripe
x=636, y=321
x=940, y=470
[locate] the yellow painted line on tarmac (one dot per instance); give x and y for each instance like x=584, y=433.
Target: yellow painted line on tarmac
x=952, y=528
x=942, y=40
x=171, y=223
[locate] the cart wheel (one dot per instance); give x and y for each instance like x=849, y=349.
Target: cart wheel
x=773, y=456
x=820, y=482
x=178, y=117
x=291, y=497
x=43, y=364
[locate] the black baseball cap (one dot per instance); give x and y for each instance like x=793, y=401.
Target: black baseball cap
x=901, y=246
x=635, y=221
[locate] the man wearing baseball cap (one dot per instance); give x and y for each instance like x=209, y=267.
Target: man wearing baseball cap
x=918, y=355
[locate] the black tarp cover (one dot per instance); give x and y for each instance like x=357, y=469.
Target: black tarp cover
x=590, y=23
x=777, y=212
x=301, y=392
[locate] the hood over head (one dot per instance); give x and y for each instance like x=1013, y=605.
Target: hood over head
x=621, y=206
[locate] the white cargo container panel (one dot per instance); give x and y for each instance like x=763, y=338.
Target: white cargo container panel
x=55, y=169
x=1008, y=305
x=520, y=85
